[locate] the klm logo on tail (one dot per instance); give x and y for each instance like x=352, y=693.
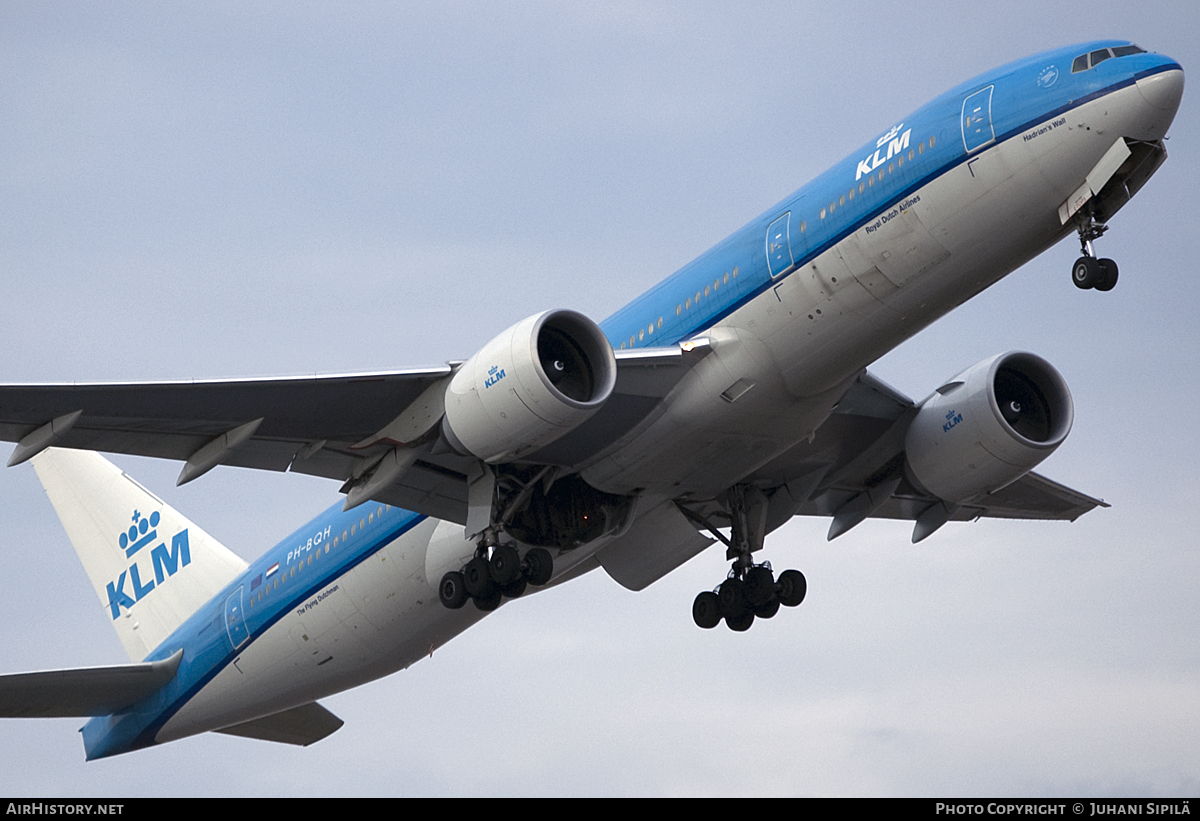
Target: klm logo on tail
x=164, y=563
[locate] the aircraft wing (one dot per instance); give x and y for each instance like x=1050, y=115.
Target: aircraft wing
x=852, y=469
x=83, y=691
x=332, y=426
x=173, y=420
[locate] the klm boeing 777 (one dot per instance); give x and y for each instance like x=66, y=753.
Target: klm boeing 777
x=730, y=397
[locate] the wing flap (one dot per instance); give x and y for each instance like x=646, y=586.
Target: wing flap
x=83, y=691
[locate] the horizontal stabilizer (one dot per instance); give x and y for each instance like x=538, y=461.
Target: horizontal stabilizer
x=303, y=725
x=83, y=691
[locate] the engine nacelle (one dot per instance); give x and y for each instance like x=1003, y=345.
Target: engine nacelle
x=528, y=386
x=988, y=427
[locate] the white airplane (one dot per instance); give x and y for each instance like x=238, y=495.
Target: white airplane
x=730, y=397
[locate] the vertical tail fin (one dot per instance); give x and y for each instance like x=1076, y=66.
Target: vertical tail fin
x=150, y=566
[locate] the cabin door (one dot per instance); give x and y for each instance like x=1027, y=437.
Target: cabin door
x=779, y=245
x=235, y=619
x=977, y=127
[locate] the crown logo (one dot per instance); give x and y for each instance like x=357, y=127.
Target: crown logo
x=139, y=534
x=891, y=135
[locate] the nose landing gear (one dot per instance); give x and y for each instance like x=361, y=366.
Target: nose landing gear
x=1088, y=271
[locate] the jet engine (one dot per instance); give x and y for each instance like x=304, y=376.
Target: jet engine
x=988, y=427
x=530, y=385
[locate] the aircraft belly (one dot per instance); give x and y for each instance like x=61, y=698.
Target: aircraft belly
x=376, y=619
x=730, y=414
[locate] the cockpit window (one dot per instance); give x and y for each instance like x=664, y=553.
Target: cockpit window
x=1125, y=51
x=1085, y=61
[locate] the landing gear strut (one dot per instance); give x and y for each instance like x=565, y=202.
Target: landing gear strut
x=751, y=590
x=1088, y=271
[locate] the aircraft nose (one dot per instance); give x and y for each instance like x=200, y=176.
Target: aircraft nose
x=1163, y=90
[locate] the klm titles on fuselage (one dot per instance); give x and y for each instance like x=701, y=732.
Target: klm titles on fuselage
x=891, y=215
x=165, y=563
x=897, y=143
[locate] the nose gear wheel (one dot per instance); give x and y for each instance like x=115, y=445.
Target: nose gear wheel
x=1089, y=271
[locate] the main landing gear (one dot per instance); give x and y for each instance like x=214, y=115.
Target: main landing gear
x=498, y=571
x=1088, y=271
x=743, y=597
x=751, y=590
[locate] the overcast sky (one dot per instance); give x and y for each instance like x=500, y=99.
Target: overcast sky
x=239, y=189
